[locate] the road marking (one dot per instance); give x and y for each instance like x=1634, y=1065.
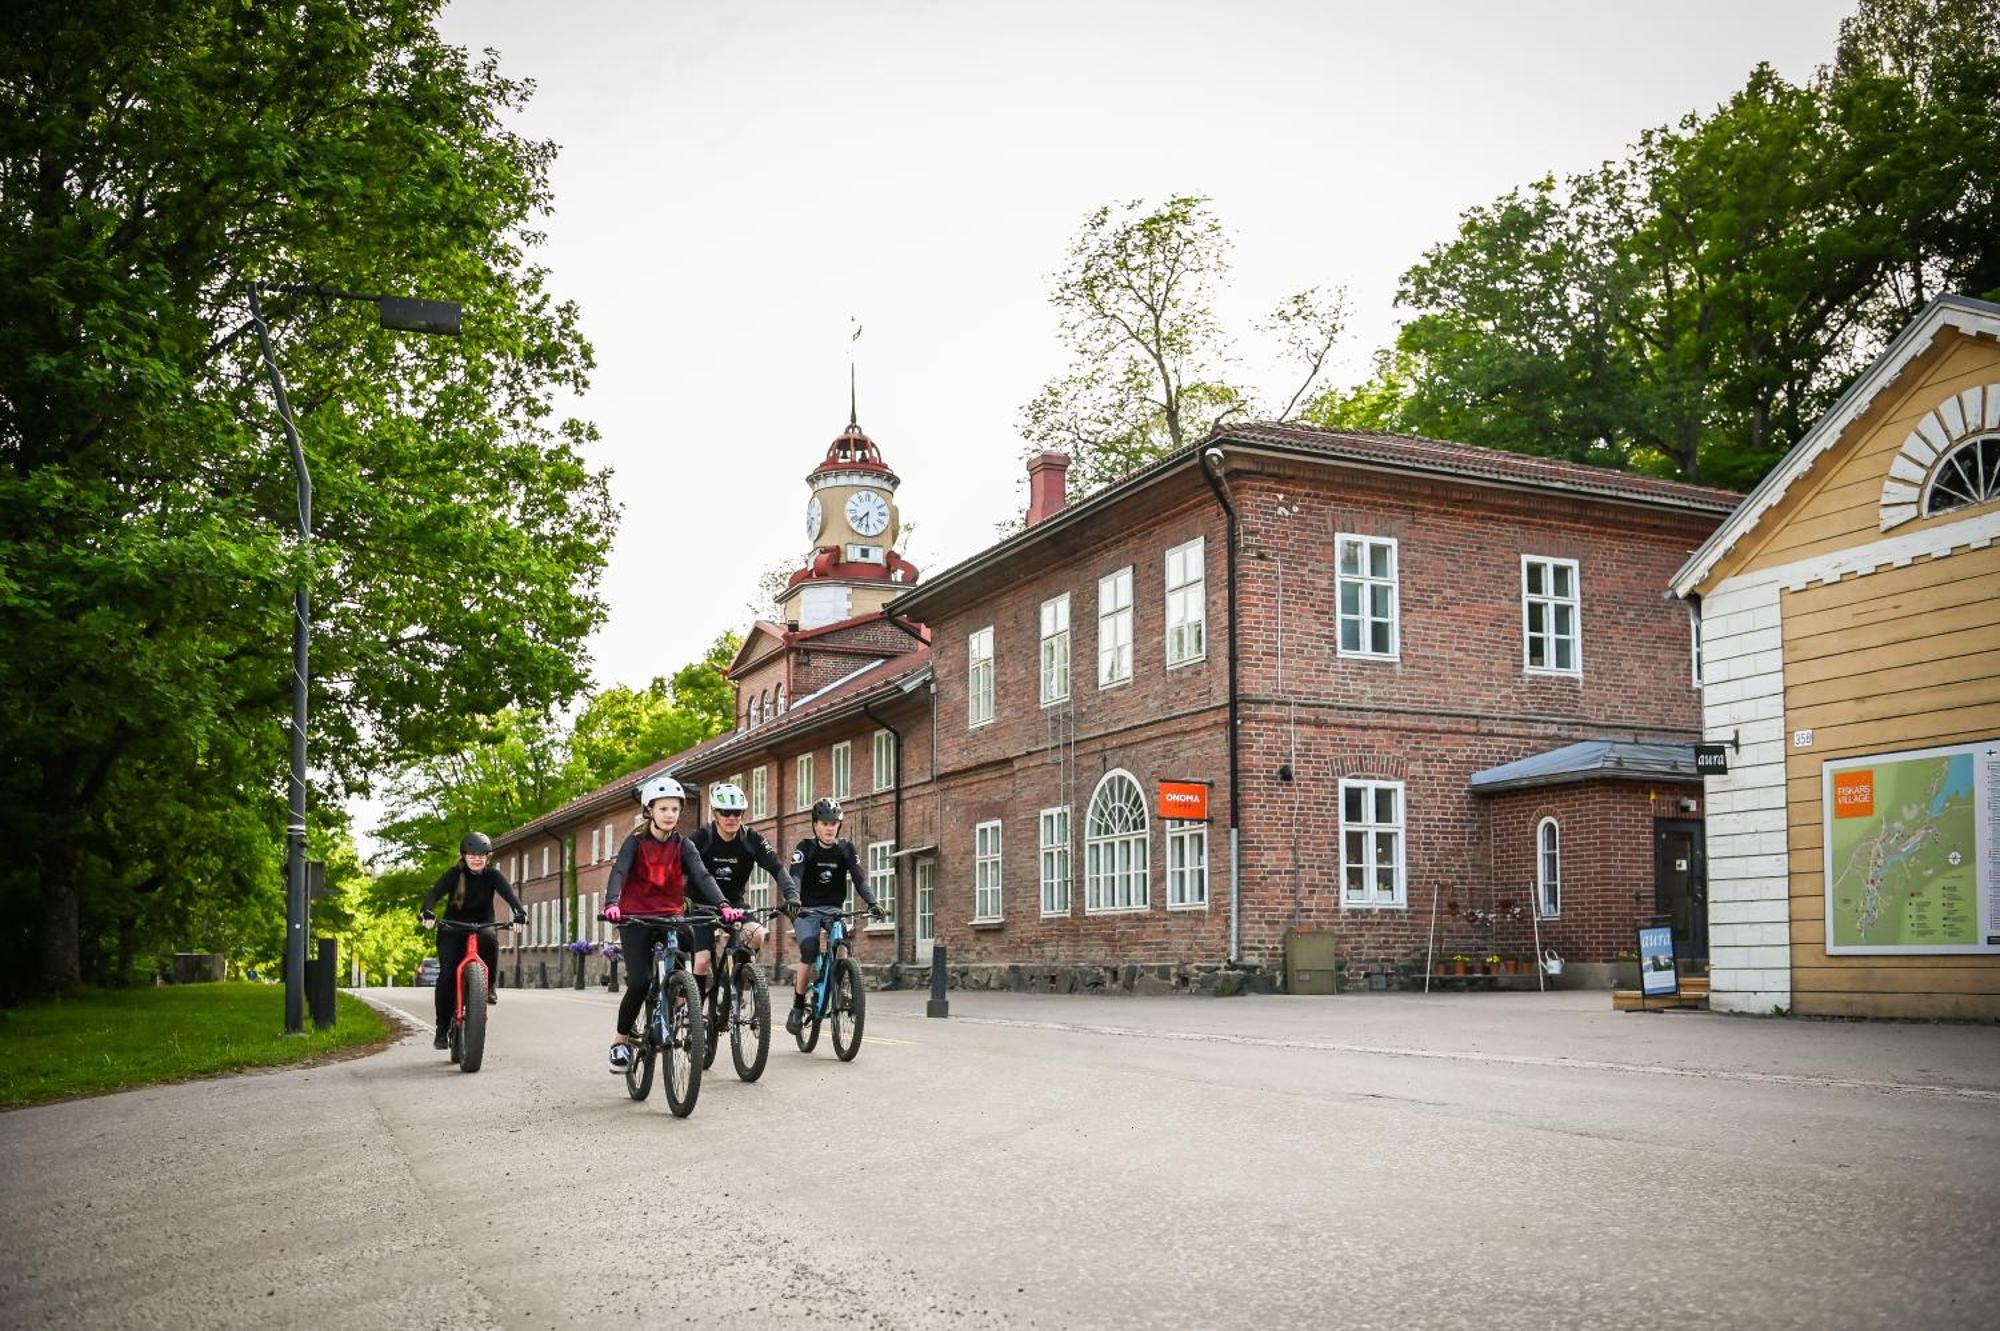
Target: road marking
x=1514, y=1060
x=883, y=1039
x=419, y=1022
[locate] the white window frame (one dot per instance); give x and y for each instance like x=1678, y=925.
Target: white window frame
x=545, y=861
x=1118, y=859
x=1187, y=602
x=596, y=840
x=1114, y=629
x=882, y=882
x=1055, y=650
x=882, y=768
x=1371, y=830
x=1055, y=861
x=927, y=902
x=757, y=891
x=1366, y=581
x=1548, y=891
x=611, y=843
x=1187, y=864
x=760, y=791
x=841, y=784
x=988, y=882
x=778, y=700
x=1694, y=641
x=802, y=781
x=979, y=678
x=1551, y=602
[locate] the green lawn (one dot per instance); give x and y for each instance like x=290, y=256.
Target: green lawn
x=115, y=1039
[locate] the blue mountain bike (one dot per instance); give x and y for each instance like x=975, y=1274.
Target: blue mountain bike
x=834, y=992
x=673, y=1028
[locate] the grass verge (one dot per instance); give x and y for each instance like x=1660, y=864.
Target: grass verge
x=95, y=1041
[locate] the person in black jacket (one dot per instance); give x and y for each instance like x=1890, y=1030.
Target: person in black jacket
x=824, y=865
x=472, y=884
x=731, y=851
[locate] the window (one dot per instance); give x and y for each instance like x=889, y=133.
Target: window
x=545, y=861
x=778, y=701
x=610, y=842
x=1055, y=861
x=586, y=916
x=882, y=877
x=979, y=677
x=757, y=711
x=1368, y=597
x=760, y=793
x=843, y=770
x=926, y=901
x=1694, y=639
x=1187, y=604
x=1055, y=649
x=1549, y=616
x=1968, y=475
x=1114, y=629
x=802, y=782
x=596, y=837
x=986, y=871
x=757, y=892
x=1371, y=843
x=1548, y=867
x=1187, y=864
x=1115, y=867
x=884, y=766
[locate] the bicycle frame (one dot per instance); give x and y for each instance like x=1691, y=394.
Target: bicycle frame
x=833, y=935
x=470, y=958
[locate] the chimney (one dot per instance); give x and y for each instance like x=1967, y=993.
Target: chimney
x=1046, y=474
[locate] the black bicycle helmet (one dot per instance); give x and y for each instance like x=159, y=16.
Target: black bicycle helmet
x=826, y=811
x=475, y=843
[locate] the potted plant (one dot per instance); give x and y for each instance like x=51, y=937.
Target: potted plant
x=1625, y=970
x=1458, y=960
x=1493, y=963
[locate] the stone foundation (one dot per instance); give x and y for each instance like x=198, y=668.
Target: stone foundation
x=1214, y=980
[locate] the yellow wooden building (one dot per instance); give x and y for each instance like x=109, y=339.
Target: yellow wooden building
x=1848, y=622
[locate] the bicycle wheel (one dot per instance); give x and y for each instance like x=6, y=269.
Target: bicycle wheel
x=639, y=1071
x=452, y=1036
x=684, y=1043
x=472, y=1026
x=850, y=1009
x=808, y=1035
x=713, y=1018
x=749, y=1021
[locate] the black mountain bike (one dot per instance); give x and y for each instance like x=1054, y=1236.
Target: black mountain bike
x=739, y=1000
x=834, y=991
x=673, y=1025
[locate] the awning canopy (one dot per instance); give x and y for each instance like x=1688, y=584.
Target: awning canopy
x=1591, y=760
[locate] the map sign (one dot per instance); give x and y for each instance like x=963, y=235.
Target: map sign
x=1912, y=841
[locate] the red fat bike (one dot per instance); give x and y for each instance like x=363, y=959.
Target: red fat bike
x=467, y=1032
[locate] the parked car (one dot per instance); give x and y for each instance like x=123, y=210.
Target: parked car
x=427, y=971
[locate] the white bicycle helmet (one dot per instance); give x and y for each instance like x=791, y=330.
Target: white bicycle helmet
x=726, y=798
x=660, y=787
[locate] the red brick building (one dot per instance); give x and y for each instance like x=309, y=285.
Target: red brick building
x=1462, y=708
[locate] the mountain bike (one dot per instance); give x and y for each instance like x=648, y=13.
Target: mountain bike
x=739, y=1001
x=672, y=1027
x=835, y=988
x=467, y=1032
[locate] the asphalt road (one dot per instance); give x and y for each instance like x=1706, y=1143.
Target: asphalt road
x=1370, y=1160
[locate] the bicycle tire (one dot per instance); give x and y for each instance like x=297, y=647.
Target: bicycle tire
x=451, y=1035
x=712, y=1020
x=808, y=1035
x=847, y=1000
x=639, y=1070
x=751, y=1022
x=681, y=1077
x=472, y=1027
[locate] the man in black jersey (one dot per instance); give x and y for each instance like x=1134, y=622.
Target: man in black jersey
x=732, y=851
x=824, y=865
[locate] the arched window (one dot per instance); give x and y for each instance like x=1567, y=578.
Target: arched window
x=1968, y=475
x=781, y=700
x=1548, y=867
x=756, y=711
x=764, y=712
x=1115, y=845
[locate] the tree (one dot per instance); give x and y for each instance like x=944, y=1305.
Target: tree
x=622, y=729
x=1149, y=358
x=153, y=158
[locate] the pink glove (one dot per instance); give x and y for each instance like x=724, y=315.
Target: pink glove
x=731, y=915
x=611, y=913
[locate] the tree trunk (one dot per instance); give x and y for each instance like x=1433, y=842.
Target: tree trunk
x=61, y=961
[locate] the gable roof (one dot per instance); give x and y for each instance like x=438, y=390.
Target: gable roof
x=775, y=632
x=1404, y=454
x=876, y=681
x=1967, y=315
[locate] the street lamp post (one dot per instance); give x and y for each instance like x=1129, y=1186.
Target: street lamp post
x=406, y=315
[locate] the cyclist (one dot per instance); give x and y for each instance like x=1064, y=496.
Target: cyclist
x=471, y=883
x=824, y=865
x=651, y=877
x=730, y=850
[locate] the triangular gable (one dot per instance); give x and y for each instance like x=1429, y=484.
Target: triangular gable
x=1968, y=316
x=763, y=638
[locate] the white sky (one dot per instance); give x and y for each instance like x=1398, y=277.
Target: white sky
x=738, y=177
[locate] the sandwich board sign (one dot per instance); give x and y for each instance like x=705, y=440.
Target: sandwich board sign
x=1658, y=974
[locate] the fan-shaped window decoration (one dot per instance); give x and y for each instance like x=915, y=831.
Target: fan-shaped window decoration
x=1968, y=475
x=1116, y=873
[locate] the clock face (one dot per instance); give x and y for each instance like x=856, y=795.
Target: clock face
x=813, y=518
x=867, y=512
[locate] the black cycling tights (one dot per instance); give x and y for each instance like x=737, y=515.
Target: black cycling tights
x=451, y=951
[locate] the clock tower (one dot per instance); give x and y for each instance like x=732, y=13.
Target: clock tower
x=851, y=527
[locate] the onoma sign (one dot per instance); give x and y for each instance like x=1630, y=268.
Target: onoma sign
x=1186, y=800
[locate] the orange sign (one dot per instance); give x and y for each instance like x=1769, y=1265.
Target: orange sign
x=1854, y=793
x=1186, y=800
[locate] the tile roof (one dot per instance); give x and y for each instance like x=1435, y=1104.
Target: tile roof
x=881, y=677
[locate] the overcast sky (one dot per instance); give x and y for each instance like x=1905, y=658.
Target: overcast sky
x=739, y=177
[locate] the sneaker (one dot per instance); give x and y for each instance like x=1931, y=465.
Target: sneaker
x=796, y=1021
x=443, y=1041
x=621, y=1057
x=492, y=997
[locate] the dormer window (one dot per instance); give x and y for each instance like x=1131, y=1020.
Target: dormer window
x=1966, y=476
x=864, y=554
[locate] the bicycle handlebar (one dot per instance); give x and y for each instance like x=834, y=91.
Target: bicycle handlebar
x=471, y=927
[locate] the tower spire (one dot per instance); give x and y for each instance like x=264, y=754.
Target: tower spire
x=853, y=415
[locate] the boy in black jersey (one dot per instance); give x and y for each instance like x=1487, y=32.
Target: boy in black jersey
x=731, y=851
x=824, y=865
